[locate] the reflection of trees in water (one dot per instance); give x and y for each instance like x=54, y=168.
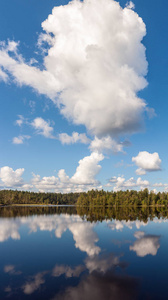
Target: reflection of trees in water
x=19, y=211
x=122, y=213
x=91, y=214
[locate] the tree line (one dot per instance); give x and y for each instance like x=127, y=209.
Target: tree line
x=86, y=199
x=122, y=198
x=8, y=197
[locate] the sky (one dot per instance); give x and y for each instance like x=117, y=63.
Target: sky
x=83, y=89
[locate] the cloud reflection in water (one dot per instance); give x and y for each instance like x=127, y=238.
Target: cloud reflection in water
x=145, y=244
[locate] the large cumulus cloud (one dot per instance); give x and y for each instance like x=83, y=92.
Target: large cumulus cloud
x=94, y=68
x=83, y=179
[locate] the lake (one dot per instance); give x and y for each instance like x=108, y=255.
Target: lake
x=66, y=253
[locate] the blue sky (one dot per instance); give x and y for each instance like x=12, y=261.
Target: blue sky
x=74, y=95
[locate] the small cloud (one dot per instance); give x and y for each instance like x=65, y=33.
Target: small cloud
x=140, y=171
x=10, y=269
x=32, y=105
x=145, y=244
x=11, y=178
x=121, y=184
x=20, y=139
x=12, y=46
x=130, y=5
x=151, y=112
x=147, y=162
x=20, y=121
x=74, y=138
x=43, y=127
x=32, y=61
x=33, y=285
x=106, y=144
x=68, y=271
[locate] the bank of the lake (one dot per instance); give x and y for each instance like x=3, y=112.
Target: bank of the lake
x=90, y=198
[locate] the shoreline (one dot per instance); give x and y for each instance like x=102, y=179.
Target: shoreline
x=84, y=206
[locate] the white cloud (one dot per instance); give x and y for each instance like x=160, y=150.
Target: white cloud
x=130, y=5
x=138, y=224
x=11, y=270
x=145, y=244
x=20, y=139
x=26, y=187
x=140, y=171
x=106, y=144
x=83, y=179
x=62, y=176
x=83, y=232
x=46, y=183
x=116, y=225
x=147, y=162
x=20, y=121
x=87, y=170
x=151, y=112
x=42, y=127
x=160, y=184
x=101, y=284
x=74, y=138
x=34, y=284
x=94, y=68
x=42, y=81
x=44, y=38
x=68, y=271
x=3, y=76
x=119, y=225
x=120, y=183
x=12, y=46
x=101, y=263
x=85, y=238
x=32, y=105
x=11, y=178
x=9, y=229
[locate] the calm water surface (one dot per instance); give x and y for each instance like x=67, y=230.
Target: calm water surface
x=64, y=254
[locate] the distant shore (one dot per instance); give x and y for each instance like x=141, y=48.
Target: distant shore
x=75, y=205
x=93, y=198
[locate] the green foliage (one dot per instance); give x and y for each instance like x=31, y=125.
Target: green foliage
x=122, y=198
x=8, y=197
x=90, y=199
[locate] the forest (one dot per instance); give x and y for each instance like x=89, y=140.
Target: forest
x=91, y=198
